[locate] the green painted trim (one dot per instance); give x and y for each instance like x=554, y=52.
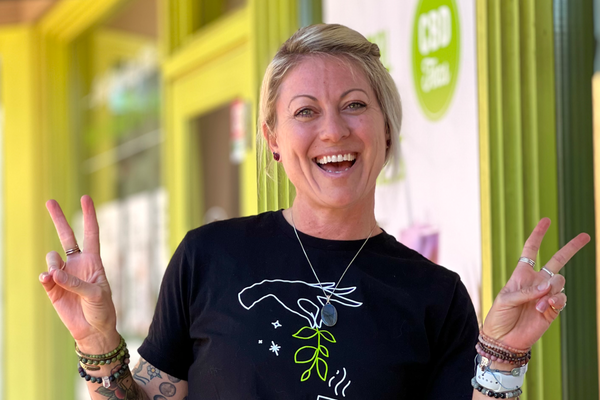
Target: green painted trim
x=522, y=166
x=574, y=36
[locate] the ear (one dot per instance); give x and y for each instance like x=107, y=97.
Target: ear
x=271, y=138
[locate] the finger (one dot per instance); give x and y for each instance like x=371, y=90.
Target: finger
x=534, y=241
x=526, y=294
x=47, y=281
x=562, y=256
x=65, y=233
x=558, y=301
x=557, y=282
x=73, y=284
x=54, y=261
x=91, y=233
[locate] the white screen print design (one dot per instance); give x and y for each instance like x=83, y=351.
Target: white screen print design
x=308, y=308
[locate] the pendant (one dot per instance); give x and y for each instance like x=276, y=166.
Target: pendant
x=329, y=315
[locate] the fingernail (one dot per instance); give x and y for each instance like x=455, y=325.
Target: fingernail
x=52, y=268
x=551, y=301
x=61, y=276
x=542, y=307
x=543, y=286
x=42, y=276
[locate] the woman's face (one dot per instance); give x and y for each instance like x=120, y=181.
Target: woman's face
x=330, y=133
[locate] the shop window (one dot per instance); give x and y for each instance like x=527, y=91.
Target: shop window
x=217, y=177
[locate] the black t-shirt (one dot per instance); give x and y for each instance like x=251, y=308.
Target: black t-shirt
x=238, y=317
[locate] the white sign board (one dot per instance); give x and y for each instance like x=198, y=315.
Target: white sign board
x=430, y=50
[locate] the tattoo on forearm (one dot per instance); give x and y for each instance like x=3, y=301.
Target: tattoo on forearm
x=167, y=389
x=153, y=372
x=173, y=379
x=137, y=370
x=159, y=397
x=123, y=388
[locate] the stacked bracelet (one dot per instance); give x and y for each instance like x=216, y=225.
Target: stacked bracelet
x=105, y=380
x=497, y=395
x=496, y=351
x=92, y=360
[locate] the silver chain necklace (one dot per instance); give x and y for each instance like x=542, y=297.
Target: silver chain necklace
x=329, y=314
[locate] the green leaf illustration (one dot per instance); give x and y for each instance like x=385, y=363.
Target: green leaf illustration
x=327, y=335
x=322, y=368
x=314, y=352
x=301, y=334
x=311, y=349
x=305, y=375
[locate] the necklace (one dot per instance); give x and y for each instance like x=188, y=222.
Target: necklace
x=329, y=314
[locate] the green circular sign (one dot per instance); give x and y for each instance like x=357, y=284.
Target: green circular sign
x=435, y=55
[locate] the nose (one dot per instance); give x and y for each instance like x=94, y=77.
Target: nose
x=334, y=127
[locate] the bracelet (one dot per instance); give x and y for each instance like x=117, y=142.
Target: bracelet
x=117, y=354
x=494, y=343
x=497, y=395
x=501, y=355
x=105, y=380
x=499, y=381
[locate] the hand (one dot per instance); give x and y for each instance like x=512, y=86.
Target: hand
x=77, y=287
x=531, y=300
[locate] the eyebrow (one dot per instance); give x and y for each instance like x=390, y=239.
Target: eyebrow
x=315, y=99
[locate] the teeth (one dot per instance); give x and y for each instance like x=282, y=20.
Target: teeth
x=338, y=172
x=336, y=158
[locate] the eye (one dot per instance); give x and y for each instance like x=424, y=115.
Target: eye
x=356, y=105
x=305, y=113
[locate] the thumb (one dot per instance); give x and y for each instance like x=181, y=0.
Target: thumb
x=526, y=294
x=74, y=284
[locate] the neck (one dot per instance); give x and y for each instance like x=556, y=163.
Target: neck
x=351, y=223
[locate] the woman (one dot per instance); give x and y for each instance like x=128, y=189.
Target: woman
x=316, y=301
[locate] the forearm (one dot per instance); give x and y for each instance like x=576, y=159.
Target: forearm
x=123, y=387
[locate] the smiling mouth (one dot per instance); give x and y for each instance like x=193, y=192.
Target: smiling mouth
x=336, y=163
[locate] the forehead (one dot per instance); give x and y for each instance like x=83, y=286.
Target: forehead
x=323, y=76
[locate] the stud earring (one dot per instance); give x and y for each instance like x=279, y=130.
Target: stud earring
x=276, y=156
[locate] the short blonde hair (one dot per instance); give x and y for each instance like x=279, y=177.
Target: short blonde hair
x=337, y=41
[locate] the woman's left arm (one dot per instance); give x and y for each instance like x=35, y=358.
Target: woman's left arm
x=531, y=300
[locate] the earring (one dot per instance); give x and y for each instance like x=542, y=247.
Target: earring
x=276, y=156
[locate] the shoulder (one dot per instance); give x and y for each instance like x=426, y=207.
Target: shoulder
x=233, y=228
x=416, y=264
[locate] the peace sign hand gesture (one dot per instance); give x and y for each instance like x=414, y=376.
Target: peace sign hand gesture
x=77, y=287
x=531, y=300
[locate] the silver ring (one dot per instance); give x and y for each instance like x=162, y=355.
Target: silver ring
x=74, y=250
x=528, y=261
x=547, y=271
x=562, y=290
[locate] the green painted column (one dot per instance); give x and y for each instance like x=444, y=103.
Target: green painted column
x=275, y=22
x=517, y=85
x=574, y=36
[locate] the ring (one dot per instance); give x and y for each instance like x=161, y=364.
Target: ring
x=562, y=290
x=73, y=250
x=547, y=271
x=528, y=261
x=556, y=310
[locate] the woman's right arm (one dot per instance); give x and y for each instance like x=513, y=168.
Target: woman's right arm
x=81, y=295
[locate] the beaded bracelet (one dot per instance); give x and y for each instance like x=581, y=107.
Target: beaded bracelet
x=494, y=343
x=497, y=395
x=123, y=355
x=502, y=355
x=105, y=380
x=102, y=357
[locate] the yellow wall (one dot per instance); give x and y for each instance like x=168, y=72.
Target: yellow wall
x=211, y=70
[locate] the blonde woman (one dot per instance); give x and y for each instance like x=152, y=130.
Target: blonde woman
x=315, y=301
